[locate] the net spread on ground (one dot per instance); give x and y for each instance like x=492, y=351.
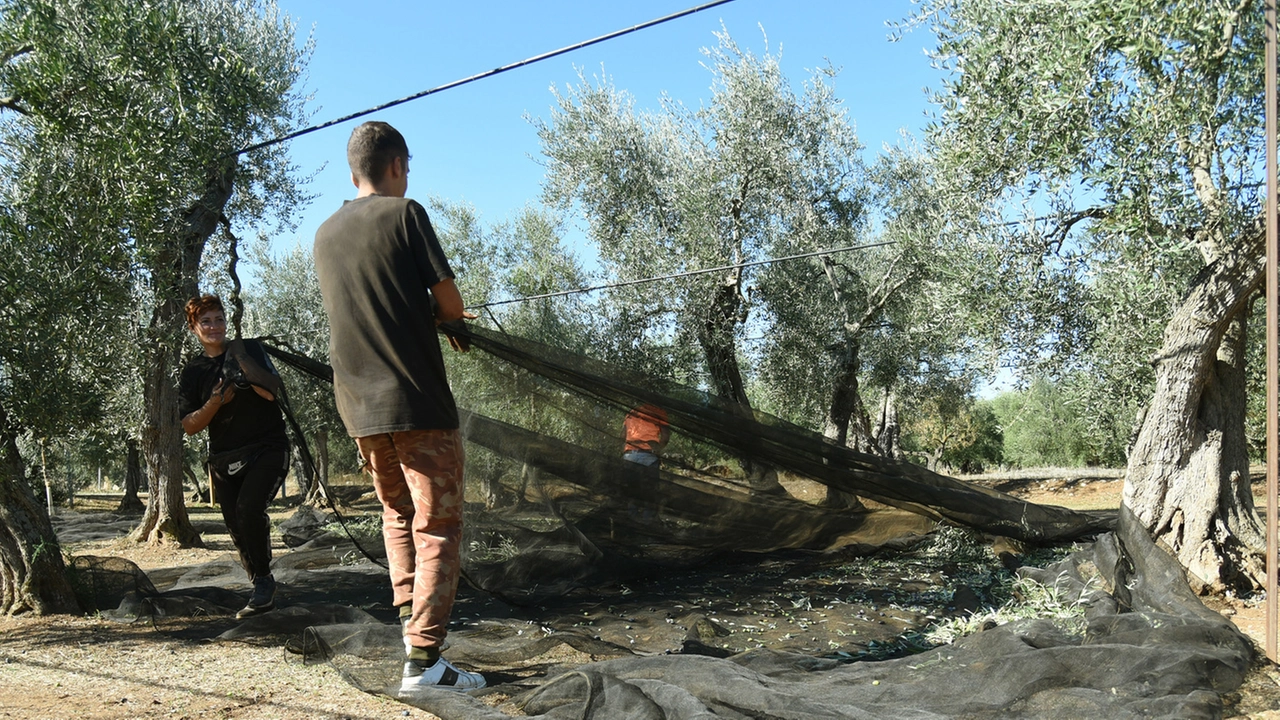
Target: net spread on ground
x=707, y=587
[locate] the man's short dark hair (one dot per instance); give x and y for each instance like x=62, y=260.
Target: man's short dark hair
x=372, y=148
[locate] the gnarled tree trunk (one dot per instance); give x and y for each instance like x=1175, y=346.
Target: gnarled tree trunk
x=165, y=519
x=317, y=495
x=175, y=275
x=33, y=577
x=717, y=340
x=1188, y=473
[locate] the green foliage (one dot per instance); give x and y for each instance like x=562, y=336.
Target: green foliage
x=1029, y=600
x=1132, y=129
x=149, y=99
x=117, y=117
x=1256, y=412
x=757, y=170
x=1132, y=97
x=762, y=170
x=948, y=428
x=523, y=257
x=1042, y=428
x=985, y=446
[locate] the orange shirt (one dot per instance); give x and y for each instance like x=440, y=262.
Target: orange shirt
x=644, y=428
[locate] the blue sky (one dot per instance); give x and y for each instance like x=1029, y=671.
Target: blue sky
x=473, y=144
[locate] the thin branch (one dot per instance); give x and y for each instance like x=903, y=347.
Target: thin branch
x=1066, y=222
x=11, y=103
x=11, y=55
x=1229, y=30
x=233, y=259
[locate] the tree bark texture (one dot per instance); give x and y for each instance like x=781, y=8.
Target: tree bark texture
x=847, y=421
x=717, y=339
x=175, y=277
x=198, y=490
x=302, y=473
x=1188, y=473
x=33, y=577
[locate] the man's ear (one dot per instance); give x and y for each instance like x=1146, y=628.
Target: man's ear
x=355, y=180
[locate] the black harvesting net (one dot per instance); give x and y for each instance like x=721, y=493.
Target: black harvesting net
x=597, y=598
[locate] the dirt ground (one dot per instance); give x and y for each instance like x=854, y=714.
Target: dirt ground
x=91, y=668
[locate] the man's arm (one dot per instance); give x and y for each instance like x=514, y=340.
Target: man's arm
x=448, y=301
x=448, y=306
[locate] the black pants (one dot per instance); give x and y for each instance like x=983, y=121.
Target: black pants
x=243, y=493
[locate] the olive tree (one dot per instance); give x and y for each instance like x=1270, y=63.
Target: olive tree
x=61, y=324
x=758, y=169
x=1135, y=125
x=150, y=102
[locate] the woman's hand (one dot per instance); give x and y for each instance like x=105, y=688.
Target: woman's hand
x=223, y=393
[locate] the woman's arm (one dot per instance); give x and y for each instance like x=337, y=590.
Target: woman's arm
x=200, y=419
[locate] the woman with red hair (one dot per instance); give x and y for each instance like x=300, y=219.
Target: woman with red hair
x=230, y=388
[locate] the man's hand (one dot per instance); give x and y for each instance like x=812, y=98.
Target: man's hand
x=458, y=342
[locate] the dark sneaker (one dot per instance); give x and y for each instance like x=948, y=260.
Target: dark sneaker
x=417, y=681
x=262, y=599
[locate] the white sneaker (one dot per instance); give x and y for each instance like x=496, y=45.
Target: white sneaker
x=417, y=681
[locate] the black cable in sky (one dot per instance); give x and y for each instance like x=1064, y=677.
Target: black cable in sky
x=688, y=273
x=481, y=76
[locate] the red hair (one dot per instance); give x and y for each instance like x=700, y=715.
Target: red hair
x=198, y=306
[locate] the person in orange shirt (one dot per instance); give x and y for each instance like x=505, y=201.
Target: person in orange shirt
x=646, y=430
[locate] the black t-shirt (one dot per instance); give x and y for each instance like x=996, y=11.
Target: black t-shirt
x=376, y=259
x=248, y=419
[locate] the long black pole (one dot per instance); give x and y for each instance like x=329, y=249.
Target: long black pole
x=1273, y=425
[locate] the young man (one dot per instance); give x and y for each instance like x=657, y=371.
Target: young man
x=386, y=285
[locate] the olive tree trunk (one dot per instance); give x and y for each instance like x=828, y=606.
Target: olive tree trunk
x=1188, y=474
x=720, y=349
x=716, y=337
x=175, y=278
x=33, y=577
x=316, y=494
x=131, y=503
x=847, y=421
x=888, y=433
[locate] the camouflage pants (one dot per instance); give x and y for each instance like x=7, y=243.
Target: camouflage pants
x=418, y=477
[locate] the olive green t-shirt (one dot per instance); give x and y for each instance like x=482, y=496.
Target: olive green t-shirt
x=376, y=259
